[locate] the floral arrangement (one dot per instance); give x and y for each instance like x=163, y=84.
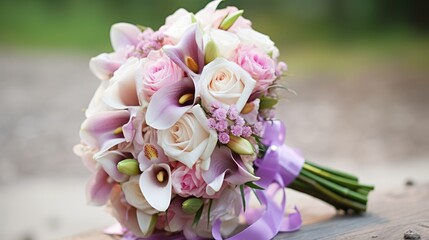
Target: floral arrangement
x=181, y=133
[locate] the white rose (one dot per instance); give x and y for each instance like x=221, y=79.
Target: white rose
x=226, y=42
x=262, y=41
x=121, y=92
x=189, y=139
x=226, y=83
x=134, y=195
x=176, y=25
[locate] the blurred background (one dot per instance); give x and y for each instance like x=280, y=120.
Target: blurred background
x=360, y=70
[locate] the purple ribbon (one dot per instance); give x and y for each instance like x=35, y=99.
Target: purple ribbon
x=279, y=167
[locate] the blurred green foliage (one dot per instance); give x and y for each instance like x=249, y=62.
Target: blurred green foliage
x=295, y=25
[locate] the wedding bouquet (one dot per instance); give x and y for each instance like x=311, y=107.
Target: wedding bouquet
x=181, y=133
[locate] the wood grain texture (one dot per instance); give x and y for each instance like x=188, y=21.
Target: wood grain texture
x=390, y=214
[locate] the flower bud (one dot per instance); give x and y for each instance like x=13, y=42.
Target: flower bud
x=211, y=52
x=230, y=20
x=192, y=205
x=128, y=167
x=240, y=145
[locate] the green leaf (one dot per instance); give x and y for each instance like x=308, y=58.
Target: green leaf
x=198, y=216
x=267, y=102
x=243, y=199
x=208, y=213
x=254, y=186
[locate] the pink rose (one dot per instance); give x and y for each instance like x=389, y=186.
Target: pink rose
x=157, y=72
x=188, y=181
x=257, y=63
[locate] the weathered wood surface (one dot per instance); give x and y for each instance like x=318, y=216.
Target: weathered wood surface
x=390, y=215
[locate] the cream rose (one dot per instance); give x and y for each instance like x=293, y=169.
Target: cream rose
x=134, y=195
x=226, y=83
x=190, y=139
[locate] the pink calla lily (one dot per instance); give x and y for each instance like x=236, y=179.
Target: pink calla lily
x=104, y=130
x=99, y=188
x=109, y=161
x=123, y=35
x=188, y=53
x=155, y=184
x=164, y=109
x=225, y=167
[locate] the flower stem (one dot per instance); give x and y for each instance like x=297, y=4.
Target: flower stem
x=337, y=188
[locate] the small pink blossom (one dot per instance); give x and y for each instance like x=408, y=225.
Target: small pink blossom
x=219, y=114
x=247, y=132
x=221, y=125
x=239, y=121
x=214, y=106
x=236, y=130
x=257, y=128
x=188, y=181
x=212, y=123
x=223, y=137
x=232, y=113
x=281, y=68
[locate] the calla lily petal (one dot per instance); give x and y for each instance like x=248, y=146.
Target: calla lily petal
x=146, y=222
x=124, y=213
x=104, y=65
x=164, y=109
x=156, y=192
x=123, y=35
x=121, y=92
x=99, y=188
x=99, y=130
x=108, y=161
x=226, y=168
x=188, y=54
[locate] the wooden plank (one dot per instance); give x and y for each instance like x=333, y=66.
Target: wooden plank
x=390, y=215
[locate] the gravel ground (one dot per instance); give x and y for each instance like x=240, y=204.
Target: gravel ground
x=373, y=123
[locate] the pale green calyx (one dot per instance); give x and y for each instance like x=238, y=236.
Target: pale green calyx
x=211, y=52
x=192, y=205
x=128, y=167
x=240, y=145
x=230, y=20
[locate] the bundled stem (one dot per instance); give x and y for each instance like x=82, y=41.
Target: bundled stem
x=337, y=188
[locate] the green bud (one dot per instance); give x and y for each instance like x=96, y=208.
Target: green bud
x=230, y=20
x=128, y=167
x=267, y=102
x=240, y=145
x=211, y=53
x=192, y=205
